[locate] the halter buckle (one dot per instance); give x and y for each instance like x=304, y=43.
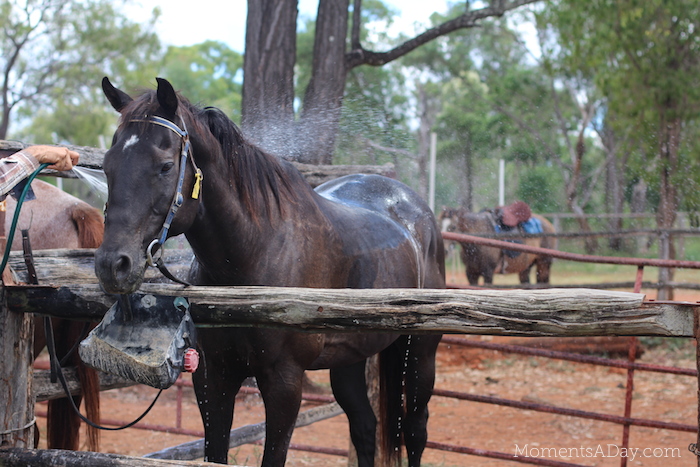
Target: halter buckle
x=149, y=253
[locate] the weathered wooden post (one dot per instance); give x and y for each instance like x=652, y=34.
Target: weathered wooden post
x=16, y=351
x=16, y=402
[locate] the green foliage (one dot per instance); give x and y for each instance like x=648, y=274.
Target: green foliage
x=208, y=73
x=57, y=53
x=496, y=103
x=540, y=187
x=380, y=117
x=465, y=121
x=642, y=56
x=82, y=125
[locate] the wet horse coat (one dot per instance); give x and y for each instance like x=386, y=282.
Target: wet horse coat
x=257, y=222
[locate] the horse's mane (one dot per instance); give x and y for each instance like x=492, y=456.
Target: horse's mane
x=261, y=179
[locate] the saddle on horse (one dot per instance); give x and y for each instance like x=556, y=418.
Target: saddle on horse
x=513, y=214
x=518, y=216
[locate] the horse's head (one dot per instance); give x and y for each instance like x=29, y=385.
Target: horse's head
x=461, y=220
x=149, y=159
x=449, y=219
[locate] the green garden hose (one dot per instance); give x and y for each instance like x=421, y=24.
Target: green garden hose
x=15, y=218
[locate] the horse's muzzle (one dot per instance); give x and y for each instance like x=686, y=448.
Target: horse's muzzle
x=118, y=272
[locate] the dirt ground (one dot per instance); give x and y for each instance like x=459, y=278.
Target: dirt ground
x=487, y=427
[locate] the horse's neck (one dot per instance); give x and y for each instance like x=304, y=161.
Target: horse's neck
x=225, y=237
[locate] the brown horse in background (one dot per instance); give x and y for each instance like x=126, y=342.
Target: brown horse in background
x=56, y=219
x=486, y=261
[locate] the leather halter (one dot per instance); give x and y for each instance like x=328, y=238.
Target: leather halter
x=186, y=150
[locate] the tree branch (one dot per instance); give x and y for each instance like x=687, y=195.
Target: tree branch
x=359, y=56
x=378, y=146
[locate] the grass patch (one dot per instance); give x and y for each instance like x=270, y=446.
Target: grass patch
x=565, y=272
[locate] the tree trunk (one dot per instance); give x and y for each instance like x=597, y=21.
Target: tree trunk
x=467, y=199
x=591, y=244
x=323, y=99
x=4, y=123
x=668, y=198
x=614, y=197
x=639, y=206
x=268, y=89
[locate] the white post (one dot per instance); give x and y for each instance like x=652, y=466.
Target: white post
x=501, y=182
x=433, y=156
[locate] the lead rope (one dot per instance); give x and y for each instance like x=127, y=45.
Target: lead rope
x=55, y=364
x=56, y=371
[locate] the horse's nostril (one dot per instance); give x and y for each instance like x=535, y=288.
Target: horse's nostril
x=122, y=268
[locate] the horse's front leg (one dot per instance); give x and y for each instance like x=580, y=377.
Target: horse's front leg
x=487, y=272
x=524, y=275
x=216, y=384
x=473, y=276
x=420, y=380
x=544, y=265
x=280, y=387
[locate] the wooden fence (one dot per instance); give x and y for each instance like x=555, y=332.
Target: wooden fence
x=73, y=293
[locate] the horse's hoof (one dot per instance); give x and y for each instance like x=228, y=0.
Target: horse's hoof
x=191, y=360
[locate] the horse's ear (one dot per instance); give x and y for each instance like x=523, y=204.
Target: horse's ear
x=167, y=97
x=118, y=99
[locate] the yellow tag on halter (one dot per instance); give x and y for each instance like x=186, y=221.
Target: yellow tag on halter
x=197, y=184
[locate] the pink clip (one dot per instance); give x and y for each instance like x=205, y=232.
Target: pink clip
x=191, y=360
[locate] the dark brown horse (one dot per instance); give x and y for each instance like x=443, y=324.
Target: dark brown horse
x=486, y=261
x=56, y=219
x=257, y=222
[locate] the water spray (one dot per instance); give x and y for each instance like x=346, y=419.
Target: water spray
x=93, y=178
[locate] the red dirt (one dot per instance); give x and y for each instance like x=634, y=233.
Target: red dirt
x=488, y=427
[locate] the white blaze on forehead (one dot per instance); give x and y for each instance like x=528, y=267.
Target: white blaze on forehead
x=133, y=139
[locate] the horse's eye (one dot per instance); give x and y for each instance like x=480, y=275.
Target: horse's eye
x=167, y=167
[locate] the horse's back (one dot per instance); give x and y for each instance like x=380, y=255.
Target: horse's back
x=376, y=216
x=373, y=192
x=55, y=219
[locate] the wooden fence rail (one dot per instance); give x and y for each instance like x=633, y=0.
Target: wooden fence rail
x=16, y=457
x=547, y=312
